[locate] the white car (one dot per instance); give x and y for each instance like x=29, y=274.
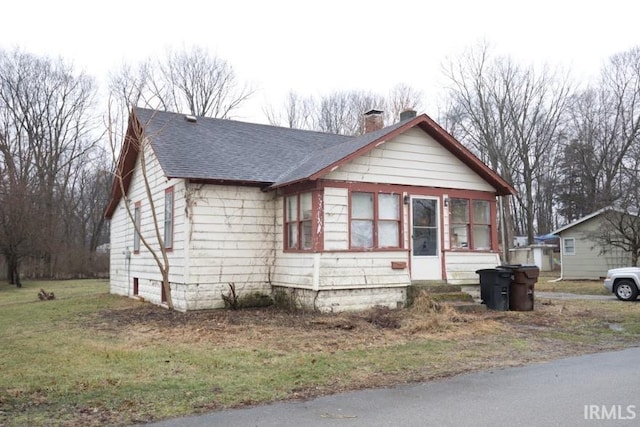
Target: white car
x=623, y=282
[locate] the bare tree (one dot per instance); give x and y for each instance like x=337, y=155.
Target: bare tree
x=403, y=97
x=511, y=117
x=297, y=112
x=342, y=112
x=138, y=140
x=47, y=133
x=605, y=129
x=620, y=230
x=189, y=81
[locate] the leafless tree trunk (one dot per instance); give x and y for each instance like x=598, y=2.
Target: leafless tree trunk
x=140, y=143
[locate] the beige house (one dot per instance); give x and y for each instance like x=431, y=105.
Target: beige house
x=581, y=256
x=343, y=222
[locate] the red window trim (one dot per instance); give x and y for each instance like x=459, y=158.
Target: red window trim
x=470, y=223
x=137, y=222
x=317, y=222
x=376, y=222
x=319, y=186
x=169, y=248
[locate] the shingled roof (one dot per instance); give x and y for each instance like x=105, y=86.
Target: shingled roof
x=227, y=151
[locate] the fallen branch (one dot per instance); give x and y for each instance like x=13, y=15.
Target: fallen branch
x=45, y=296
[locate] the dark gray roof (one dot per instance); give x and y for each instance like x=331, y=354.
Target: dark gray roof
x=225, y=150
x=218, y=149
x=318, y=160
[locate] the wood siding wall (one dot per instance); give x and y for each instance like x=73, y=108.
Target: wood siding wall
x=413, y=158
x=231, y=235
x=461, y=267
x=336, y=268
x=141, y=265
x=588, y=263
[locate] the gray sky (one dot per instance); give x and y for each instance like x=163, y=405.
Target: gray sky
x=320, y=46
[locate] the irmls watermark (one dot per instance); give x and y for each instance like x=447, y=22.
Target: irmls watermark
x=610, y=412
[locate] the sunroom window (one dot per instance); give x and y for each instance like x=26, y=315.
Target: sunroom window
x=298, y=214
x=375, y=220
x=470, y=222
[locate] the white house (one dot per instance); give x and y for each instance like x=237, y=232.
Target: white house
x=340, y=222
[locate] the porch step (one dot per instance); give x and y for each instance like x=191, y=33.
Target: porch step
x=468, y=307
x=451, y=297
x=434, y=287
x=462, y=298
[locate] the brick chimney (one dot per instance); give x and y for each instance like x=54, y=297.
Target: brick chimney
x=407, y=114
x=373, y=120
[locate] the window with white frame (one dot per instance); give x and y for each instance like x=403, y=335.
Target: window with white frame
x=569, y=246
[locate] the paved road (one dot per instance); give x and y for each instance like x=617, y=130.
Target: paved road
x=597, y=389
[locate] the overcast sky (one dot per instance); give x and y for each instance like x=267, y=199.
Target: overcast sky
x=315, y=47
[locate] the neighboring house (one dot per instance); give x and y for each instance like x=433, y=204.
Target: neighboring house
x=337, y=222
x=581, y=256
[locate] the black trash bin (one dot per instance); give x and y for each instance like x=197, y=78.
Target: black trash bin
x=494, y=287
x=521, y=293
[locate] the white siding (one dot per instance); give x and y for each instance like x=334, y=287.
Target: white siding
x=461, y=267
x=336, y=218
x=231, y=237
x=413, y=158
x=342, y=270
x=123, y=268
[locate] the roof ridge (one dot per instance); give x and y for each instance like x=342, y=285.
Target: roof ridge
x=285, y=128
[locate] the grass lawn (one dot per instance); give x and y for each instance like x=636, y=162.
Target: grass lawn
x=90, y=358
x=547, y=282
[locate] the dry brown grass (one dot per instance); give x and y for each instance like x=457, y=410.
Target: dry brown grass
x=131, y=362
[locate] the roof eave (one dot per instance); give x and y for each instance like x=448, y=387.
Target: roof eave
x=125, y=166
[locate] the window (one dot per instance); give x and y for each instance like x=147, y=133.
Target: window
x=569, y=246
x=136, y=233
x=470, y=224
x=459, y=211
x=481, y=224
x=375, y=220
x=298, y=213
x=168, y=218
x=135, y=286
